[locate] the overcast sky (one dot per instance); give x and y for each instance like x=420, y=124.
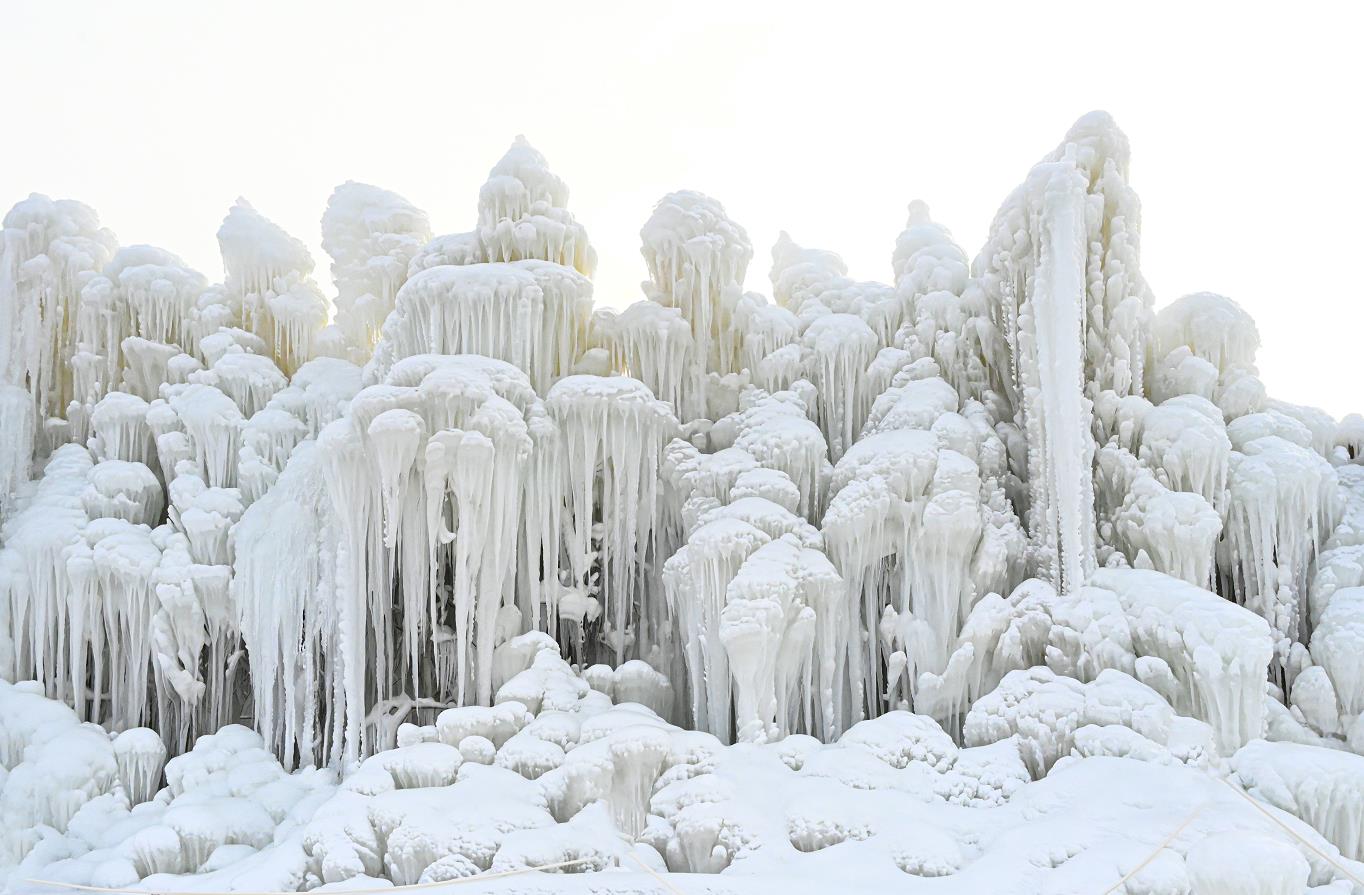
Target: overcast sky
x=823, y=120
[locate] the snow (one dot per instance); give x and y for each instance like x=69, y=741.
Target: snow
x=987, y=578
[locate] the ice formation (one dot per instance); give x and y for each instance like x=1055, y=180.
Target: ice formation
x=992, y=575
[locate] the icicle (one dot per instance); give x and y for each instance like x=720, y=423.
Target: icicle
x=613, y=431
x=51, y=251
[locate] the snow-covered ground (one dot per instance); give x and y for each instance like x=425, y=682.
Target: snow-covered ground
x=990, y=578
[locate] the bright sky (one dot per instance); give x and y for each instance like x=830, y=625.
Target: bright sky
x=824, y=120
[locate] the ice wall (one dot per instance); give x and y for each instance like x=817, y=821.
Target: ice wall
x=768, y=518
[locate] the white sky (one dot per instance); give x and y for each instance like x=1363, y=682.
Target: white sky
x=824, y=120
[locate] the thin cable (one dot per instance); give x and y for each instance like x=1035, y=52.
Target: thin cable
x=1159, y=848
x=1292, y=832
x=654, y=873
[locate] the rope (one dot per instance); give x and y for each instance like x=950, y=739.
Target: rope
x=1290, y=831
x=1158, y=849
x=1255, y=803
x=654, y=873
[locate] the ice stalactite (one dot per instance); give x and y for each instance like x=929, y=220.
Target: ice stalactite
x=843, y=323
x=650, y=341
x=1337, y=646
x=108, y=605
x=34, y=579
x=1045, y=711
x=1204, y=655
x=123, y=490
x=1205, y=344
x=612, y=433
x=50, y=767
x=814, y=282
x=249, y=380
x=1035, y=270
x=51, y=251
x=422, y=485
x=1323, y=428
x=119, y=429
x=778, y=431
x=920, y=528
x=523, y=214
x=532, y=314
x=132, y=320
x=16, y=441
x=1154, y=527
x=372, y=235
x=1322, y=786
x=752, y=581
x=140, y=756
x=770, y=351
x=841, y=347
x=945, y=312
x=696, y=580
x=522, y=217
x=281, y=590
x=1065, y=245
x=1162, y=483
x=1210, y=328
x=1185, y=441
x=1283, y=502
x=452, y=248
x=697, y=258
x=769, y=627
x=269, y=273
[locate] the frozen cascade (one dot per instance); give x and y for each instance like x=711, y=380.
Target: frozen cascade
x=612, y=435
x=1060, y=274
x=1272, y=537
x=842, y=346
x=652, y=342
x=133, y=318
x=465, y=554
x=51, y=251
x=920, y=529
x=1034, y=269
x=532, y=314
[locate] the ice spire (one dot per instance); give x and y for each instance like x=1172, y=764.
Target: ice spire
x=523, y=213
x=697, y=258
x=270, y=271
x=372, y=236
